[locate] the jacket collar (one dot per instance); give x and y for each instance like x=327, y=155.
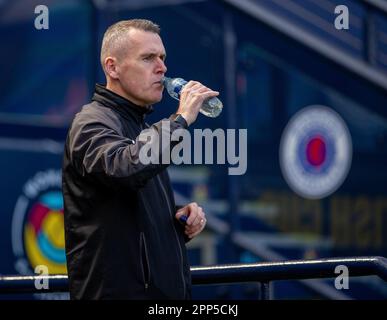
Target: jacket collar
x=120, y=104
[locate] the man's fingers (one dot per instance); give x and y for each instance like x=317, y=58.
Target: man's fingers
x=198, y=90
x=193, y=207
x=181, y=212
x=191, y=84
x=199, y=217
x=197, y=226
x=194, y=231
x=190, y=87
x=192, y=97
x=196, y=218
x=209, y=94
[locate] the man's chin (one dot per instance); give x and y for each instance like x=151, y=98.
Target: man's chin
x=157, y=99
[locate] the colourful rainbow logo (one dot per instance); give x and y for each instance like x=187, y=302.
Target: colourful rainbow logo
x=44, y=233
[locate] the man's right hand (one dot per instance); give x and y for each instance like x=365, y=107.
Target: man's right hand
x=191, y=99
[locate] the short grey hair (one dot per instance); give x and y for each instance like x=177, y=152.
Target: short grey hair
x=115, y=34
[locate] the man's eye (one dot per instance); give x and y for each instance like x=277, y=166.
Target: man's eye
x=147, y=58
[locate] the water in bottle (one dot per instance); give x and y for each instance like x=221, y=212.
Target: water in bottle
x=211, y=107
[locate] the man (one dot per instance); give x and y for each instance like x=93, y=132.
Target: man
x=124, y=238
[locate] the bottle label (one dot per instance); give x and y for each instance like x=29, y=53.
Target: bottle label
x=177, y=90
x=178, y=84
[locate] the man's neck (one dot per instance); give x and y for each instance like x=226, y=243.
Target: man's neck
x=117, y=89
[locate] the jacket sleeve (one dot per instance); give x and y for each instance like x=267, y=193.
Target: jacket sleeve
x=98, y=149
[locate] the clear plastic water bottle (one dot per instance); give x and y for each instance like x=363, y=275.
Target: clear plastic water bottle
x=211, y=107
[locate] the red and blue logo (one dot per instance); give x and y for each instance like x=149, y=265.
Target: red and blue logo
x=315, y=152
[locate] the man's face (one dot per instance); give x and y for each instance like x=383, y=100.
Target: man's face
x=141, y=68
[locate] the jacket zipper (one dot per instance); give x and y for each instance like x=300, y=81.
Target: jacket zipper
x=143, y=248
x=177, y=238
x=173, y=225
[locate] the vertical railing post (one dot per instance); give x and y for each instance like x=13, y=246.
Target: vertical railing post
x=264, y=292
x=233, y=190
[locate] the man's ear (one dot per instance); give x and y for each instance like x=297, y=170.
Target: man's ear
x=111, y=67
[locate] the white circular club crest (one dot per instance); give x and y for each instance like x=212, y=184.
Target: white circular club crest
x=315, y=152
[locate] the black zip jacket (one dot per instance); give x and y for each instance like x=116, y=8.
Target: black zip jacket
x=122, y=238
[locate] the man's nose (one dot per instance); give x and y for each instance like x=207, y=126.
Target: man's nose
x=161, y=67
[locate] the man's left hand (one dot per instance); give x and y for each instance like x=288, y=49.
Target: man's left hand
x=196, y=219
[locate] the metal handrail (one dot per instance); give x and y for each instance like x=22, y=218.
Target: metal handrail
x=262, y=272
x=289, y=270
